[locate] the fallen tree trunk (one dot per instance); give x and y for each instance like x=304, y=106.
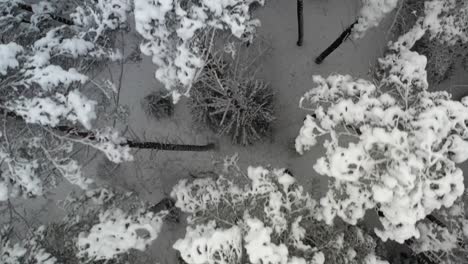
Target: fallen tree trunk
x=90, y=135
x=140, y=145
x=343, y=36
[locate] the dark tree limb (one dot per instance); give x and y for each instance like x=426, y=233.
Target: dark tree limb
x=54, y=17
x=344, y=36
x=90, y=135
x=139, y=145
x=170, y=147
x=300, y=22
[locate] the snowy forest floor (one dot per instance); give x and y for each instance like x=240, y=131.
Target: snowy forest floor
x=289, y=70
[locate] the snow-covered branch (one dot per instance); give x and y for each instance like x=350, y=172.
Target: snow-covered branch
x=174, y=30
x=264, y=214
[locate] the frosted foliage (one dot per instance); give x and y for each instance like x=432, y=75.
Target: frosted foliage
x=27, y=251
x=402, y=159
x=52, y=76
x=273, y=195
x=22, y=176
x=118, y=232
x=200, y=195
x=371, y=14
x=171, y=30
x=267, y=216
x=51, y=110
x=373, y=259
x=208, y=244
x=406, y=69
x=71, y=170
x=446, y=20
x=8, y=53
x=106, y=15
x=445, y=235
x=259, y=246
x=113, y=146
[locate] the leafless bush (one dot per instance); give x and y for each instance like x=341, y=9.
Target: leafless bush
x=229, y=98
x=158, y=105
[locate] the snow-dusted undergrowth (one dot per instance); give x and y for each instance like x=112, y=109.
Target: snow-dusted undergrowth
x=263, y=214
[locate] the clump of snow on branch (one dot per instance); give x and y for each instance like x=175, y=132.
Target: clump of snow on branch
x=400, y=159
x=171, y=30
x=21, y=176
x=371, y=14
x=117, y=233
x=113, y=146
x=259, y=246
x=8, y=53
x=49, y=111
x=208, y=244
x=266, y=215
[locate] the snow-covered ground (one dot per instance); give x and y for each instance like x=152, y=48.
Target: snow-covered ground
x=287, y=67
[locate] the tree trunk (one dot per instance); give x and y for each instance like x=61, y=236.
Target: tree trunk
x=344, y=35
x=54, y=17
x=300, y=22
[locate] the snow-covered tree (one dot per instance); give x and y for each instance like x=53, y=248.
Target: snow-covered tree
x=45, y=59
x=263, y=216
x=100, y=225
x=173, y=32
x=395, y=146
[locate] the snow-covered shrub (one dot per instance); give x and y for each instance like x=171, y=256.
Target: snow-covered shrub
x=171, y=30
x=371, y=14
x=46, y=51
x=444, y=42
x=263, y=214
x=27, y=251
x=158, y=105
x=229, y=98
x=117, y=232
x=100, y=225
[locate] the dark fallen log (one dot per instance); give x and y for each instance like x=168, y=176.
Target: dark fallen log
x=90, y=135
x=140, y=145
x=342, y=38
